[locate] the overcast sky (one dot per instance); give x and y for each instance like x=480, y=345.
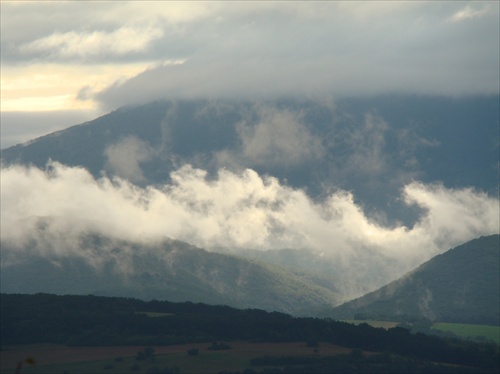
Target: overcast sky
x=92, y=57
x=96, y=56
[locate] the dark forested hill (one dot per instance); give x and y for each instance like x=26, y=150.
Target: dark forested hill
x=102, y=321
x=461, y=285
x=170, y=270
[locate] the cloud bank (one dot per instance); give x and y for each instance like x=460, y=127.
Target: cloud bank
x=234, y=210
x=332, y=48
x=260, y=49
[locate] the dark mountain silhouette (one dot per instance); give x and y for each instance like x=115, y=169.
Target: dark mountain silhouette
x=460, y=285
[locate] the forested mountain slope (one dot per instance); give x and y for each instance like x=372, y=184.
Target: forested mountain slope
x=170, y=270
x=460, y=285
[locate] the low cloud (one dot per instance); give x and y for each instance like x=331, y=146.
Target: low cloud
x=234, y=210
x=276, y=138
x=452, y=215
x=366, y=144
x=124, y=158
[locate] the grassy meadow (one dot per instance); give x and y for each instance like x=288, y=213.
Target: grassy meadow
x=383, y=324
x=465, y=331
x=459, y=329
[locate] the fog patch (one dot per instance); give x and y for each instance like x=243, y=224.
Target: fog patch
x=273, y=139
x=124, y=158
x=279, y=138
x=367, y=146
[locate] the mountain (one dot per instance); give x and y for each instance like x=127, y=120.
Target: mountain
x=170, y=270
x=460, y=285
x=338, y=169
x=370, y=146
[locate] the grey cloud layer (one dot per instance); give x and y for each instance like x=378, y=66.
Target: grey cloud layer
x=270, y=49
x=337, y=53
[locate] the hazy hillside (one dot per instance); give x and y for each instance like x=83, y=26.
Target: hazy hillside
x=461, y=285
x=326, y=270
x=170, y=270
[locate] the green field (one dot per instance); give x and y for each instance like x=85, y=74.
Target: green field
x=460, y=330
x=465, y=331
x=384, y=324
x=155, y=314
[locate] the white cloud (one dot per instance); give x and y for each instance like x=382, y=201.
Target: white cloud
x=236, y=211
x=124, y=158
x=452, y=214
x=367, y=144
x=469, y=12
x=71, y=44
x=279, y=138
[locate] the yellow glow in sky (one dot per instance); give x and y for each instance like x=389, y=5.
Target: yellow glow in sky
x=51, y=87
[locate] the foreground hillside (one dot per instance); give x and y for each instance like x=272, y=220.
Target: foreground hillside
x=170, y=270
x=461, y=285
x=102, y=321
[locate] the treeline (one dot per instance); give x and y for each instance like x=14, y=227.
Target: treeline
x=101, y=321
x=354, y=362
